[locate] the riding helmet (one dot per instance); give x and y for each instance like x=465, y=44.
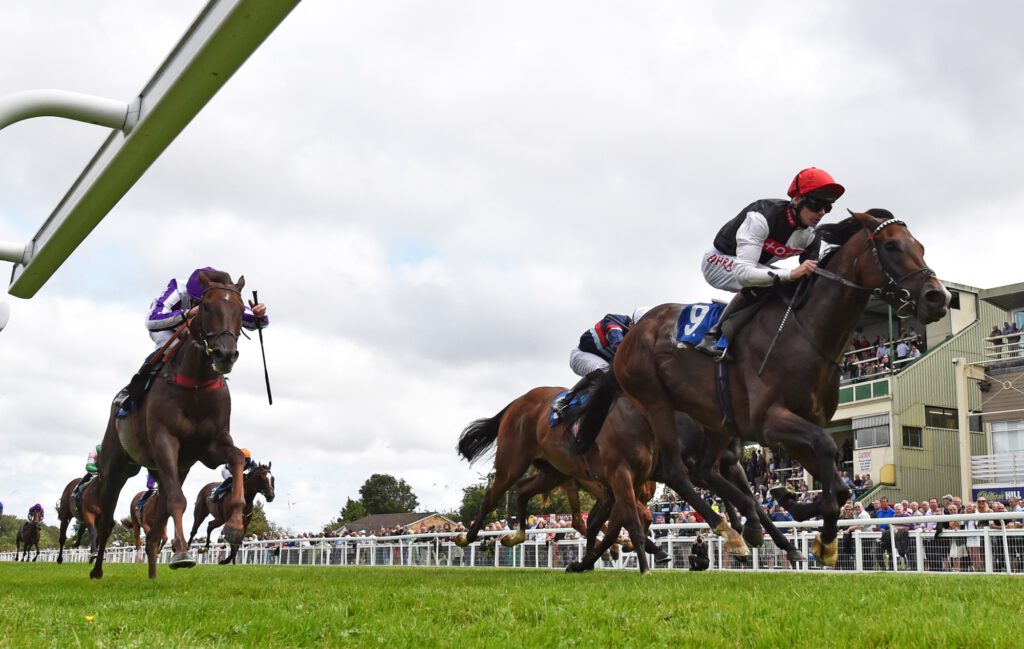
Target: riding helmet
x=816, y=183
x=194, y=286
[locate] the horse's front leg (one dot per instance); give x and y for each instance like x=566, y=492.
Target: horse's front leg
x=234, y=521
x=165, y=454
x=815, y=449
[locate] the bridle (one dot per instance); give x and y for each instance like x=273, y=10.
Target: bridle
x=894, y=289
x=204, y=338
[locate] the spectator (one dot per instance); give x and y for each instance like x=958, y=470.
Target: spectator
x=974, y=549
x=883, y=510
x=699, y=555
x=995, y=340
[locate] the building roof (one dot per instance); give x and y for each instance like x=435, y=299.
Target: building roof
x=1007, y=298
x=374, y=522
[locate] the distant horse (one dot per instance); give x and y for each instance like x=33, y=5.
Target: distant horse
x=259, y=481
x=184, y=419
x=86, y=509
x=28, y=535
x=151, y=520
x=784, y=381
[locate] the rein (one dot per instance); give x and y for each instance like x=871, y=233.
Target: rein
x=203, y=340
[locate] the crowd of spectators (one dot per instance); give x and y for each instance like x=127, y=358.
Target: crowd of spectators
x=1005, y=342
x=866, y=359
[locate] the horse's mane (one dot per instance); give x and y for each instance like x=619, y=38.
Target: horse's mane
x=839, y=233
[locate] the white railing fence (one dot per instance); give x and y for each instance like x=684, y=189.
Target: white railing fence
x=995, y=546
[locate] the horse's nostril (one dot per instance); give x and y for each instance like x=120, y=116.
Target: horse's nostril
x=935, y=297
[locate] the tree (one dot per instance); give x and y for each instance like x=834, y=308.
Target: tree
x=384, y=494
x=352, y=511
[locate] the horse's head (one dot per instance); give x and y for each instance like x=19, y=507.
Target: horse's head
x=264, y=481
x=898, y=273
x=219, y=320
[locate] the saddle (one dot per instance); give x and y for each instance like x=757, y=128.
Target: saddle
x=145, y=498
x=696, y=319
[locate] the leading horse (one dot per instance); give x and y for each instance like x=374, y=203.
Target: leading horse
x=184, y=419
x=784, y=382
x=28, y=535
x=85, y=508
x=259, y=481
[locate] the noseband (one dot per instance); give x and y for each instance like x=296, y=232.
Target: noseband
x=893, y=290
x=203, y=341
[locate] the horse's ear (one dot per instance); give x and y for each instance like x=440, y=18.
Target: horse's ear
x=869, y=221
x=269, y=464
x=241, y=283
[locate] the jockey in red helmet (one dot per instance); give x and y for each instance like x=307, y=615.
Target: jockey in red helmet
x=763, y=232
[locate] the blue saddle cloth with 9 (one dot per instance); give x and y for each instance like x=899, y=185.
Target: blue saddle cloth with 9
x=696, y=319
x=577, y=403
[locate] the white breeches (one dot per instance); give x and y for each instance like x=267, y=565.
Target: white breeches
x=584, y=363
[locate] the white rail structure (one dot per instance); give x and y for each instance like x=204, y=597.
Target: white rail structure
x=986, y=550
x=220, y=40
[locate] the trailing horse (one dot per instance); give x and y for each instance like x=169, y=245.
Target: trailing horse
x=184, y=419
x=784, y=382
x=259, y=481
x=85, y=508
x=151, y=520
x=28, y=535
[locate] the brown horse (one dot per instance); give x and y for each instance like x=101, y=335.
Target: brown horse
x=28, y=535
x=184, y=419
x=258, y=481
x=148, y=520
x=784, y=380
x=86, y=509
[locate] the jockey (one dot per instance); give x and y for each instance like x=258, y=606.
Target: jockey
x=765, y=231
x=175, y=305
x=151, y=486
x=225, y=472
x=32, y=511
x=595, y=352
x=92, y=468
x=169, y=310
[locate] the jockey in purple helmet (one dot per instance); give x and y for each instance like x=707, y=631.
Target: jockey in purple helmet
x=177, y=304
x=32, y=511
x=169, y=310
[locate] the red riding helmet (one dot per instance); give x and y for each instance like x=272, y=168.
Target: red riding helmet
x=817, y=182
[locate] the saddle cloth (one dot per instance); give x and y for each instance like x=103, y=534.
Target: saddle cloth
x=695, y=320
x=572, y=408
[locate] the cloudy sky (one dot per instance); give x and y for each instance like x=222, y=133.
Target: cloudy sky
x=435, y=199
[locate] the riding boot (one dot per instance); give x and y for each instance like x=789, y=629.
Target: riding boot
x=728, y=324
x=137, y=386
x=581, y=387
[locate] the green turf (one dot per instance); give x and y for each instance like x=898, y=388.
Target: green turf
x=45, y=605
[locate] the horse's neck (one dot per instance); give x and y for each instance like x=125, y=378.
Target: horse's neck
x=191, y=362
x=832, y=310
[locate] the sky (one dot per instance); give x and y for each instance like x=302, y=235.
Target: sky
x=435, y=199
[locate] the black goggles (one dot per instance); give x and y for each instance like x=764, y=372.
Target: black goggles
x=817, y=205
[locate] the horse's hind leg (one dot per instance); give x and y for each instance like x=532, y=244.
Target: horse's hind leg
x=506, y=471
x=63, y=538
x=113, y=474
x=538, y=483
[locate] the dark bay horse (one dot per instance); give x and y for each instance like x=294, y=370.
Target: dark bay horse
x=790, y=402
x=259, y=481
x=28, y=535
x=150, y=522
x=86, y=513
x=184, y=419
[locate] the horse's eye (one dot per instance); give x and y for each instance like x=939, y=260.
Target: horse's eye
x=892, y=246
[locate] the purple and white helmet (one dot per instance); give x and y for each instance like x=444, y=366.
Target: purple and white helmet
x=194, y=286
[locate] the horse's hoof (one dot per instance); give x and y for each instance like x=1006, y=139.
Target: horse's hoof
x=60, y=560
x=233, y=535
x=461, y=540
x=203, y=550
x=96, y=573
x=795, y=556
x=182, y=560
x=512, y=540
x=827, y=553
x=627, y=546
x=782, y=494
x=577, y=566
x=753, y=536
x=734, y=544
x=662, y=557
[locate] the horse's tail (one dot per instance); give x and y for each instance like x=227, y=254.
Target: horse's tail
x=479, y=436
x=127, y=522
x=597, y=408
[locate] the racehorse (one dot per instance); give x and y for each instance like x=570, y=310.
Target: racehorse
x=783, y=383
x=259, y=481
x=151, y=520
x=523, y=435
x=184, y=419
x=28, y=535
x=86, y=509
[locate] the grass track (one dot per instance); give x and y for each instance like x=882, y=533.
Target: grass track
x=45, y=605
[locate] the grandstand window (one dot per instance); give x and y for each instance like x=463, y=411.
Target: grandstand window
x=913, y=437
x=1018, y=317
x=1008, y=436
x=954, y=299
x=936, y=417
x=873, y=436
x=974, y=422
